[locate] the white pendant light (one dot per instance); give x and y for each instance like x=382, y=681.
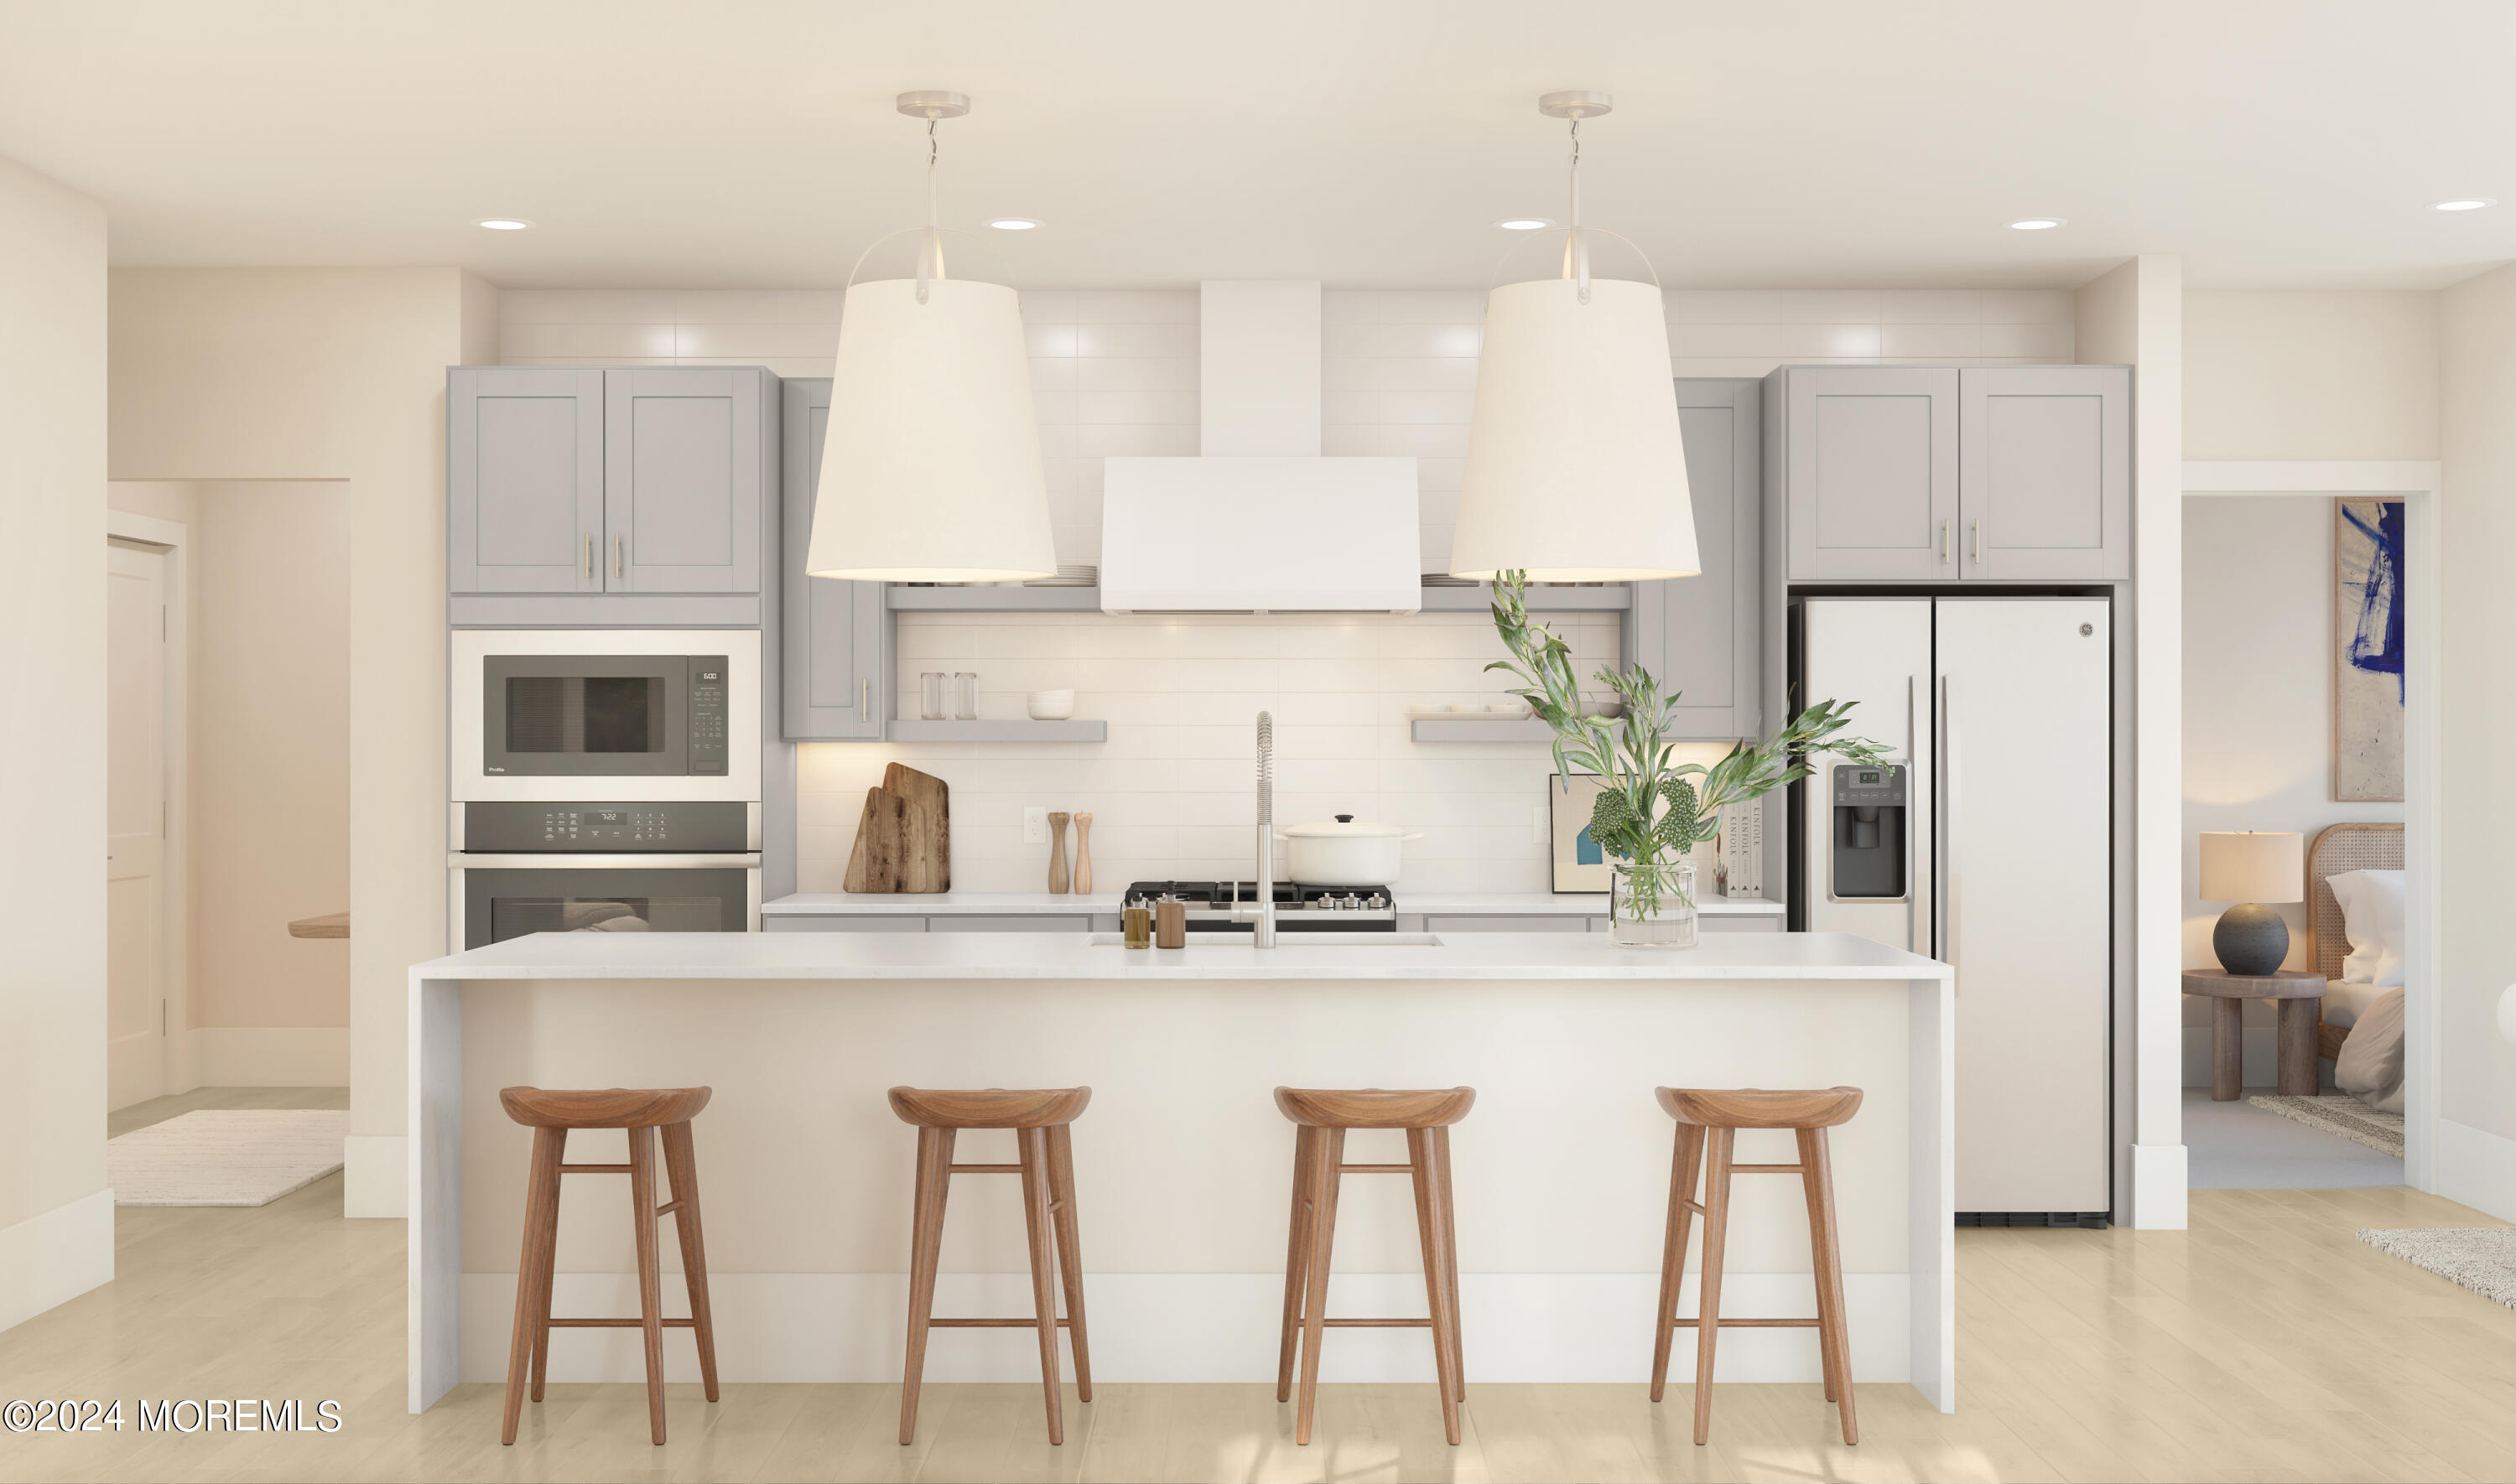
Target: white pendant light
x=931, y=467
x=1577, y=471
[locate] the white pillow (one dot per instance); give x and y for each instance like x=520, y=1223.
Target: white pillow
x=2372, y=915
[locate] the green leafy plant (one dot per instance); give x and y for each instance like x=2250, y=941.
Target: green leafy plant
x=1650, y=812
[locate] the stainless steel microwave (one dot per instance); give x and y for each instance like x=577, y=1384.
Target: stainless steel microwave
x=631, y=714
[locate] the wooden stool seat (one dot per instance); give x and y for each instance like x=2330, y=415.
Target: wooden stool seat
x=1324, y=1115
x=1756, y=1108
x=1708, y=1122
x=644, y=1112
x=1044, y=1139
x=608, y=1108
x=989, y=1107
x=1374, y=1107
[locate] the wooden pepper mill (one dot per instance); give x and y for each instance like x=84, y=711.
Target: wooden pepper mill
x=1056, y=854
x=1083, y=854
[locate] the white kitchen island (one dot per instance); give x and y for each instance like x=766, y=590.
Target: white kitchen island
x=1182, y=1164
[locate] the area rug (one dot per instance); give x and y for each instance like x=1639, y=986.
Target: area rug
x=2482, y=1259
x=2342, y=1115
x=226, y=1157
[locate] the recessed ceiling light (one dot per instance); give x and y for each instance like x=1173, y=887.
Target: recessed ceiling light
x=1013, y=224
x=503, y=224
x=1523, y=224
x=2038, y=224
x=2464, y=204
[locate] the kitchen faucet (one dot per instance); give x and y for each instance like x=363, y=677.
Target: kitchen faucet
x=1262, y=931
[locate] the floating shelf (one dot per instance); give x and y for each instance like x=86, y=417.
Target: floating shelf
x=1465, y=730
x=1477, y=599
x=902, y=599
x=1008, y=730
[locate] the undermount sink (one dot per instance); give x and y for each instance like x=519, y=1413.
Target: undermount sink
x=1282, y=940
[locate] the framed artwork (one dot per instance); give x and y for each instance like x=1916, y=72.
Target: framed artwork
x=1581, y=865
x=2368, y=608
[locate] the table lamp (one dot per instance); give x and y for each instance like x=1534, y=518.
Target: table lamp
x=2252, y=868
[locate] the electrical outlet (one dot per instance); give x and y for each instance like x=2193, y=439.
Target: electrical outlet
x=1035, y=825
x=1541, y=829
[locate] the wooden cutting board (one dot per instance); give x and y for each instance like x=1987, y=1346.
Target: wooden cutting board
x=903, y=836
x=926, y=856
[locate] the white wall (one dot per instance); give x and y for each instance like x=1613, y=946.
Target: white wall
x=56, y=1211
x=1117, y=372
x=335, y=374
x=2287, y=375
x=270, y=780
x=2476, y=1095
x=2258, y=711
x=2135, y=315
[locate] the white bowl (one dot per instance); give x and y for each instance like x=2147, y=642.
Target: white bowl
x=1051, y=705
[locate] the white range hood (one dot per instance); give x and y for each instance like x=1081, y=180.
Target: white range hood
x=1260, y=522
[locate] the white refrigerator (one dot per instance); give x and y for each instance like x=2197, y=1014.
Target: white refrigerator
x=1988, y=844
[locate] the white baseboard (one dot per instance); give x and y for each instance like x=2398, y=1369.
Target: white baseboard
x=2157, y=1189
x=375, y=1176
x=53, y=1257
x=271, y=1057
x=1190, y=1326
x=2261, y=1062
x=2477, y=1168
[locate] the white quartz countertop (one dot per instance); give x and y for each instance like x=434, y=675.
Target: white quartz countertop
x=968, y=956
x=1022, y=903
x=937, y=904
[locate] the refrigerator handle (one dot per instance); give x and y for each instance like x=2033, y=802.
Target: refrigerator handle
x=1919, y=938
x=1943, y=837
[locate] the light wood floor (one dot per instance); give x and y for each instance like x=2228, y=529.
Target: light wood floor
x=2264, y=1344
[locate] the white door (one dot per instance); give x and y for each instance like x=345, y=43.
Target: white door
x=2025, y=873
x=1875, y=652
x=135, y=824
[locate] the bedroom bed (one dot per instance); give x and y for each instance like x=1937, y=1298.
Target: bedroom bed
x=2338, y=848
x=2354, y=919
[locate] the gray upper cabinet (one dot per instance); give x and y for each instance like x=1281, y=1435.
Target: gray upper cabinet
x=2047, y=472
x=1699, y=635
x=523, y=493
x=682, y=478
x=835, y=687
x=1870, y=470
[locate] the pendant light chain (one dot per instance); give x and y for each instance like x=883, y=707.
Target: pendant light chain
x=929, y=254
x=1576, y=248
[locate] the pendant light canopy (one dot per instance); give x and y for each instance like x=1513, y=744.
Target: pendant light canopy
x=1577, y=468
x=930, y=467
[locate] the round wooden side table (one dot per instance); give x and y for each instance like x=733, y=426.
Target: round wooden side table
x=2301, y=993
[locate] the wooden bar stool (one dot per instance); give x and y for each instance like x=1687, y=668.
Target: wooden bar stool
x=642, y=1112
x=1318, y=1165
x=1701, y=1112
x=1043, y=1138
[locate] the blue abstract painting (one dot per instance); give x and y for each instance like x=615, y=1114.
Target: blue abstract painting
x=2368, y=679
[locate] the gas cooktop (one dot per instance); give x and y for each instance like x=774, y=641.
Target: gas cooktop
x=1212, y=905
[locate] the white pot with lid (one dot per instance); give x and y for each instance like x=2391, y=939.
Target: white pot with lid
x=1342, y=853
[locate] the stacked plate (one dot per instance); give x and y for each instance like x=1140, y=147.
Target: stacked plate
x=1079, y=575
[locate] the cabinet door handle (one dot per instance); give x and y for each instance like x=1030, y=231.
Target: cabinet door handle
x=620, y=555
x=1946, y=555
x=589, y=556
x=1978, y=541
x=865, y=703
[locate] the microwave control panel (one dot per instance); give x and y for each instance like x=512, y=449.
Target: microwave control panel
x=708, y=715
x=606, y=828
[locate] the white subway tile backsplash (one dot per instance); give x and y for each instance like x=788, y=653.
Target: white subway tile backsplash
x=2039, y=341
x=758, y=341
x=1930, y=306
x=1176, y=342
x=596, y=343
x=1926, y=342
x=1139, y=374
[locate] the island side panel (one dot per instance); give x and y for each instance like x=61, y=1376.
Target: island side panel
x=436, y=1188
x=1182, y=1164
x=1931, y=1216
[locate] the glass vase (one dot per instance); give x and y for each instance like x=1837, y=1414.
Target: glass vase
x=1653, y=907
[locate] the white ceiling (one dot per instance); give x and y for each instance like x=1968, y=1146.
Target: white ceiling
x=1368, y=142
